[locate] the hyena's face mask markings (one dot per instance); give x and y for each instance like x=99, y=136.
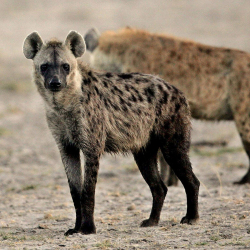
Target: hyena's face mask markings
x=54, y=70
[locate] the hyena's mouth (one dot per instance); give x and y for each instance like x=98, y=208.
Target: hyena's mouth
x=55, y=90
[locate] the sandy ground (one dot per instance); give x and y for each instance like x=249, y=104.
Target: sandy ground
x=35, y=203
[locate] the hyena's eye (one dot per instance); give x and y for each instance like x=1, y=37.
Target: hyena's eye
x=44, y=67
x=66, y=67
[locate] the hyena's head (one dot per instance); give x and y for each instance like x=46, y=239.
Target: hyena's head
x=54, y=61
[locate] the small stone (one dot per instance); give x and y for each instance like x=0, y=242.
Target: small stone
x=131, y=207
x=42, y=226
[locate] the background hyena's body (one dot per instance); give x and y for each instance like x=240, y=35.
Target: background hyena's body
x=215, y=80
x=96, y=112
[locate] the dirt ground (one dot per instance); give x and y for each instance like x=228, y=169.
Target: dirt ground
x=35, y=203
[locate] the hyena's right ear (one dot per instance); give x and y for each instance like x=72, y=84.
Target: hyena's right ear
x=92, y=39
x=32, y=44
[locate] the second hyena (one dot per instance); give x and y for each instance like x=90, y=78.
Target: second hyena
x=216, y=81
x=105, y=112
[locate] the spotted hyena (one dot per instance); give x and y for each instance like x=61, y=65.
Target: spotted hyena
x=215, y=80
x=106, y=112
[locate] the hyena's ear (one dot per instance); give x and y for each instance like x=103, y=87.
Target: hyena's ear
x=92, y=39
x=32, y=44
x=75, y=42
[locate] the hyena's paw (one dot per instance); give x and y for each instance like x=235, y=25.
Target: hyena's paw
x=88, y=228
x=190, y=221
x=244, y=180
x=149, y=223
x=70, y=232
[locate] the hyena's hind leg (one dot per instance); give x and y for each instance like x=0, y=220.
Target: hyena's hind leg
x=146, y=160
x=176, y=154
x=167, y=174
x=246, y=178
x=243, y=125
x=246, y=143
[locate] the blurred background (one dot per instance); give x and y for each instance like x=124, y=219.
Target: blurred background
x=219, y=23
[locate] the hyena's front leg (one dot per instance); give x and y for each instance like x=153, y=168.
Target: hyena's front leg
x=71, y=159
x=88, y=193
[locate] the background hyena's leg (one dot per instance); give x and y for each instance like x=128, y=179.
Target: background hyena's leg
x=167, y=174
x=88, y=194
x=71, y=160
x=246, y=178
x=178, y=160
x=146, y=160
x=243, y=126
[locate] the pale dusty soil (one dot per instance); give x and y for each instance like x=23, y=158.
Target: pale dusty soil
x=35, y=203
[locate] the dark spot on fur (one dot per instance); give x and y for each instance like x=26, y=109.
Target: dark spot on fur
x=106, y=103
x=177, y=107
x=191, y=66
x=97, y=90
x=165, y=97
x=126, y=124
x=132, y=98
x=121, y=100
x=124, y=108
x=160, y=87
x=127, y=87
x=81, y=99
x=149, y=99
x=149, y=92
x=113, y=105
x=172, y=53
x=145, y=80
x=86, y=81
x=129, y=104
x=158, y=112
x=179, y=57
x=125, y=76
x=118, y=90
x=109, y=75
x=175, y=89
x=87, y=99
x=140, y=98
x=105, y=84
x=173, y=98
x=205, y=50
x=90, y=73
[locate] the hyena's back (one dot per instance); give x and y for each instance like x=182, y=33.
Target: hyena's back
x=202, y=72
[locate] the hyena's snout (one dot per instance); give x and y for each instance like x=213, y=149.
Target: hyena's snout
x=54, y=84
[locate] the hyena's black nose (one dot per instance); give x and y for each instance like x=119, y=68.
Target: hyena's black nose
x=55, y=84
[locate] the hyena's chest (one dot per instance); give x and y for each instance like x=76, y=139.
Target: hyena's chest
x=67, y=125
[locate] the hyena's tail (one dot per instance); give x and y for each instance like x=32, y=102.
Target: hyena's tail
x=92, y=39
